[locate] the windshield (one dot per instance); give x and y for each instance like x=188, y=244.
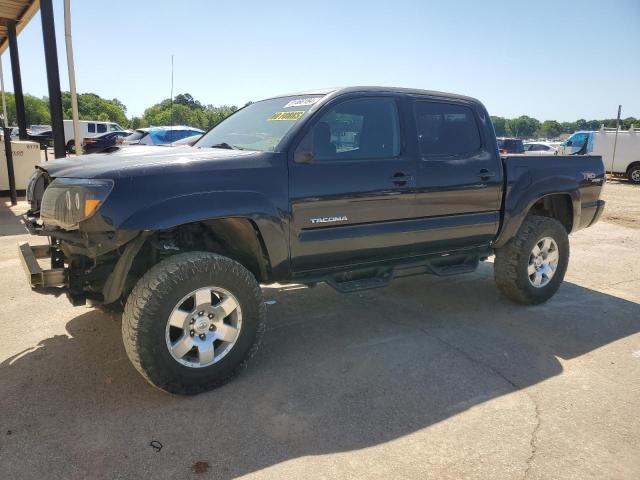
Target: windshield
x=261, y=125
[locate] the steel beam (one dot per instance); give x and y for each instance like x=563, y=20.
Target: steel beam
x=53, y=78
x=17, y=79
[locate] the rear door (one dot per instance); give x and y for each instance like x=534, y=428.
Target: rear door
x=351, y=200
x=459, y=182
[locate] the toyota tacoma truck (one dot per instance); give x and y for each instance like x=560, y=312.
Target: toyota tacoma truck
x=353, y=187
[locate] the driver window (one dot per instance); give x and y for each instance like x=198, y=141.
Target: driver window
x=366, y=128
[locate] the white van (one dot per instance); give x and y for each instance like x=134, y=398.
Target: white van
x=88, y=128
x=627, y=159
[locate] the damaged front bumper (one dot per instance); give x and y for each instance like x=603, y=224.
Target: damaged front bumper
x=84, y=265
x=36, y=276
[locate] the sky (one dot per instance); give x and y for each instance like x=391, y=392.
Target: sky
x=559, y=60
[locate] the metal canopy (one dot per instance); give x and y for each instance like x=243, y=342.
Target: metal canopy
x=19, y=11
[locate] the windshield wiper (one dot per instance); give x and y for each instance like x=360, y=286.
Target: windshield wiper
x=226, y=145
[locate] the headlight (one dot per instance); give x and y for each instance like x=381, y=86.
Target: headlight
x=69, y=201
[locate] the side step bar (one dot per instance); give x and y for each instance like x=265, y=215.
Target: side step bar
x=36, y=276
x=376, y=277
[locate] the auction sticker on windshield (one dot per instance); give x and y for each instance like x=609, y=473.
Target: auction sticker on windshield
x=292, y=115
x=302, y=102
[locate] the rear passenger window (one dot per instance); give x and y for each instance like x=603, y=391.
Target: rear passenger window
x=91, y=127
x=446, y=129
x=366, y=128
x=102, y=127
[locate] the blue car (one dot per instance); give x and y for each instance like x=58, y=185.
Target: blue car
x=160, y=135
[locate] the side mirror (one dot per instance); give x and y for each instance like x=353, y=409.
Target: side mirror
x=302, y=156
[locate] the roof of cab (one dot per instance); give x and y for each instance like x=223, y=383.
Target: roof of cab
x=407, y=91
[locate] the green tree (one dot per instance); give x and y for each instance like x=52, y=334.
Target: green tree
x=36, y=110
x=523, y=127
x=94, y=107
x=185, y=110
x=500, y=126
x=550, y=129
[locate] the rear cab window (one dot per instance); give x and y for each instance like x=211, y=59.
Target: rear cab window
x=446, y=129
x=511, y=145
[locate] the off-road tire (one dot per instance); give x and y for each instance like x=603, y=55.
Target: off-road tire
x=634, y=174
x=512, y=260
x=151, y=302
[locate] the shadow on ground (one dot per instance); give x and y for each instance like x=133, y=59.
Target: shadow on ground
x=335, y=373
x=10, y=223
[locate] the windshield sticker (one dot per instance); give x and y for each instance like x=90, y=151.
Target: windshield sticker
x=293, y=115
x=302, y=102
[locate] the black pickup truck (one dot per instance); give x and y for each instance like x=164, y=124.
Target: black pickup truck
x=352, y=186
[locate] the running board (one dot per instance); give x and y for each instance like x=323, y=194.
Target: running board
x=377, y=277
x=356, y=280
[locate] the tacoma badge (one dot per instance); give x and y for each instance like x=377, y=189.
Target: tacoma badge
x=341, y=218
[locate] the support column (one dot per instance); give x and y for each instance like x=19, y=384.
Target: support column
x=10, y=172
x=53, y=77
x=17, y=79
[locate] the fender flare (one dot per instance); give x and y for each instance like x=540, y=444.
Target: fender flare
x=517, y=207
x=201, y=206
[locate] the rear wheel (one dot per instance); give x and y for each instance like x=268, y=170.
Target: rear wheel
x=192, y=321
x=634, y=174
x=531, y=266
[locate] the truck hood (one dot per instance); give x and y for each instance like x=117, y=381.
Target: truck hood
x=141, y=160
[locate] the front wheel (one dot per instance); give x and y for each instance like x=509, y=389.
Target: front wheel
x=634, y=174
x=192, y=321
x=531, y=266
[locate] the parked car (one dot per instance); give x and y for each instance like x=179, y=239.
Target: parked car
x=189, y=141
x=103, y=142
x=627, y=157
x=38, y=128
x=43, y=137
x=539, y=148
x=160, y=135
x=510, y=145
x=88, y=129
x=353, y=187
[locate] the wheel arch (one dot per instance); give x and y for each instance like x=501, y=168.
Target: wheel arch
x=630, y=168
x=215, y=209
x=557, y=206
x=633, y=165
x=237, y=238
x=562, y=205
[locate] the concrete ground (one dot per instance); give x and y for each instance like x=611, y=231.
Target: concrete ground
x=429, y=378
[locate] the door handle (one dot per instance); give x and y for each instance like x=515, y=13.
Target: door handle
x=400, y=178
x=485, y=174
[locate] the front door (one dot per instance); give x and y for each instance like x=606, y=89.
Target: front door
x=351, y=199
